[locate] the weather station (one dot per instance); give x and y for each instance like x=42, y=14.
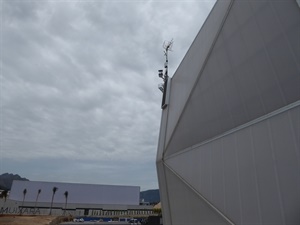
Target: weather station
x=163, y=74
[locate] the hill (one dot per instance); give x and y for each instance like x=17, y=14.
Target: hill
x=151, y=196
x=6, y=180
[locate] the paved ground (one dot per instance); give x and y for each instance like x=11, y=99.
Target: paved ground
x=25, y=220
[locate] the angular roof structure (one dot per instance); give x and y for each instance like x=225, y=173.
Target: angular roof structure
x=229, y=146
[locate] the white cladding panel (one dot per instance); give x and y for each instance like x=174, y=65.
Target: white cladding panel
x=252, y=70
x=229, y=150
x=77, y=193
x=187, y=73
x=249, y=174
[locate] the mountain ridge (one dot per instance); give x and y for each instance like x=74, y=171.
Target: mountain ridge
x=151, y=196
x=6, y=180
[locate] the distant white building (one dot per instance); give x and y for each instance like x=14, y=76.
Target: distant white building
x=77, y=193
x=82, y=199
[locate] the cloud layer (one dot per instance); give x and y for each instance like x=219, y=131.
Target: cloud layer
x=79, y=97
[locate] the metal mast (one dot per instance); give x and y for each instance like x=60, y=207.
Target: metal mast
x=163, y=74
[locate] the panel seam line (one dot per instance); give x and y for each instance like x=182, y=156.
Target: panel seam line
x=200, y=195
x=243, y=126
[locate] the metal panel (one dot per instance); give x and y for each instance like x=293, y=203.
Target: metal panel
x=245, y=77
x=164, y=194
x=188, y=71
x=188, y=207
x=247, y=177
x=251, y=174
x=287, y=163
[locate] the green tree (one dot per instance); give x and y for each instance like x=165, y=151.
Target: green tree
x=66, y=194
x=24, y=195
x=4, y=195
x=54, y=189
x=157, y=211
x=37, y=197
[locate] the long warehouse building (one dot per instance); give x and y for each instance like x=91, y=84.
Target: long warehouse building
x=57, y=198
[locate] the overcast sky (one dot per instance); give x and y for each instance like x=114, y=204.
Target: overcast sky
x=79, y=96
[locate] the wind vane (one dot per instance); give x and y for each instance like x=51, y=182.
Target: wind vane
x=163, y=74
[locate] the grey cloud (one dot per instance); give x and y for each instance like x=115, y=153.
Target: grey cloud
x=80, y=82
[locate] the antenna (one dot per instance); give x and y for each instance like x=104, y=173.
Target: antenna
x=167, y=45
x=163, y=74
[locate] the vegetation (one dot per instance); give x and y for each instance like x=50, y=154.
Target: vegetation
x=4, y=195
x=66, y=194
x=157, y=211
x=60, y=219
x=24, y=195
x=37, y=197
x=54, y=189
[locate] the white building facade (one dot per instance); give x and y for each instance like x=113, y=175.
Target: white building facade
x=229, y=145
